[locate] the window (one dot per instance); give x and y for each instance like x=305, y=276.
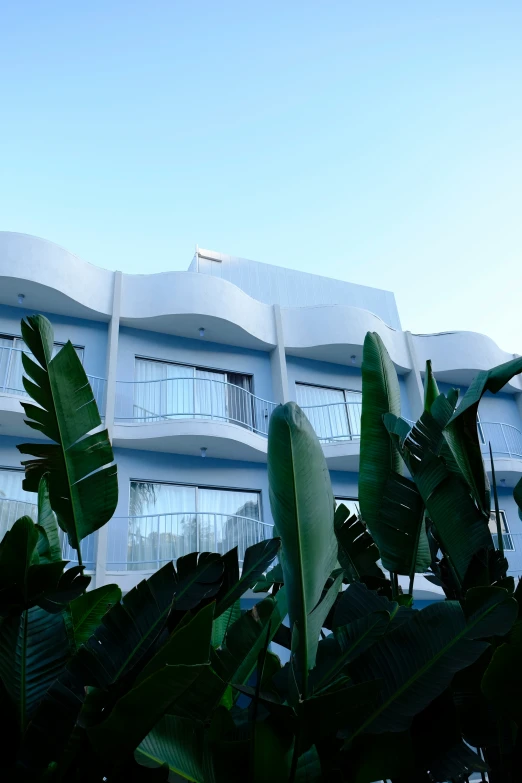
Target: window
x=11, y=369
x=506, y=537
x=335, y=414
x=14, y=501
x=480, y=429
x=165, y=390
x=167, y=521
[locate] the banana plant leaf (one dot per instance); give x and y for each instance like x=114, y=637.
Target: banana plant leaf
x=222, y=623
x=462, y=529
x=27, y=582
x=129, y=630
x=182, y=744
x=235, y=661
x=462, y=434
x=345, y=644
x=379, y=456
x=34, y=650
x=83, y=485
x=400, y=532
x=517, y=496
x=88, y=609
x=358, y=554
x=49, y=546
x=431, y=390
x=302, y=504
x=257, y=559
x=274, y=576
x=137, y=712
x=441, y=640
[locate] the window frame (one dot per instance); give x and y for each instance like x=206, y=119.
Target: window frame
x=197, y=486
x=506, y=533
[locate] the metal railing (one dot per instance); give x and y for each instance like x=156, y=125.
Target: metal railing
x=11, y=510
x=155, y=539
x=11, y=372
x=506, y=440
x=335, y=421
x=191, y=398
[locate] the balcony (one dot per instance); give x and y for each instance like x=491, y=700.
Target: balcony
x=11, y=510
x=155, y=539
x=506, y=440
x=12, y=388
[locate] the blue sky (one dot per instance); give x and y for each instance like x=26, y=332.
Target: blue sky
x=378, y=142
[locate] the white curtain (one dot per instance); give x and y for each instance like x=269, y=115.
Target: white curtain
x=14, y=501
x=15, y=370
x=354, y=412
x=210, y=397
x=162, y=524
x=328, y=417
x=219, y=526
x=167, y=391
x=162, y=390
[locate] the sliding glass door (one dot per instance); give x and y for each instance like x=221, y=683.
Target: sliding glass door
x=168, y=521
x=163, y=390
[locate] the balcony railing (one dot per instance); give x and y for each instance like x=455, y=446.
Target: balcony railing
x=335, y=421
x=11, y=372
x=506, y=440
x=154, y=540
x=11, y=510
x=142, y=402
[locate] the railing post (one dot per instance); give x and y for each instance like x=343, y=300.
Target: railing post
x=110, y=403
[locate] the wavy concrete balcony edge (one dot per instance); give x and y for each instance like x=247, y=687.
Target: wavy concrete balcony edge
x=56, y=280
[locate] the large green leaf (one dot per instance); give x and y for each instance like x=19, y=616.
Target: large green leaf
x=130, y=629
x=462, y=529
x=400, y=532
x=34, y=649
x=223, y=622
x=25, y=581
x=502, y=680
x=181, y=744
x=302, y=506
x=431, y=390
x=237, y=658
x=88, y=609
x=462, y=434
x=358, y=554
x=257, y=559
x=83, y=485
x=440, y=640
x=49, y=546
x=136, y=713
x=188, y=644
x=345, y=644
x=379, y=456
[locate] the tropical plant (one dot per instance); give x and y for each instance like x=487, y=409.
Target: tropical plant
x=173, y=681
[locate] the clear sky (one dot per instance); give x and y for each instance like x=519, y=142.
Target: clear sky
x=377, y=142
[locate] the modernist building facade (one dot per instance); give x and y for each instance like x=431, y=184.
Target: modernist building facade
x=187, y=368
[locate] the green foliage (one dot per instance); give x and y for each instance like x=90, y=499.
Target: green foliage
x=302, y=505
x=174, y=679
x=83, y=485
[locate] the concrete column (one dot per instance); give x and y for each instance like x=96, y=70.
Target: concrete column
x=413, y=380
x=278, y=361
x=110, y=403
